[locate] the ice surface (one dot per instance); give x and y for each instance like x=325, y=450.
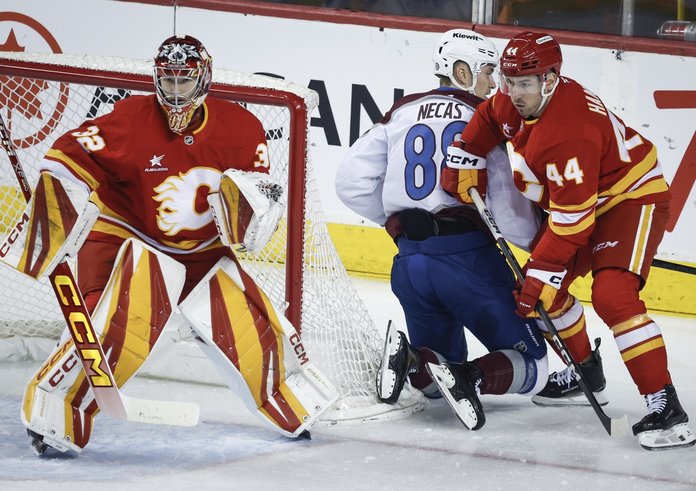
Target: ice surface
x=521, y=447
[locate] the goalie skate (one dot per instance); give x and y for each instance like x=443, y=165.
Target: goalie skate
x=398, y=360
x=459, y=386
x=40, y=443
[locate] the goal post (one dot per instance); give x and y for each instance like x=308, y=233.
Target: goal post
x=42, y=96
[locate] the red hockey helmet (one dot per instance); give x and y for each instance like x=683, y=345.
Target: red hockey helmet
x=183, y=73
x=531, y=53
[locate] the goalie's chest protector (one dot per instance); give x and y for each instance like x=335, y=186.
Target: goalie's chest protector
x=159, y=181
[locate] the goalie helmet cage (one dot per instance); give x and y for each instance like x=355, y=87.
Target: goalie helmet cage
x=44, y=96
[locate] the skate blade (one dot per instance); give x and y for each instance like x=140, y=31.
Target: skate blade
x=38, y=447
x=386, y=377
x=386, y=384
x=678, y=436
x=576, y=400
x=463, y=408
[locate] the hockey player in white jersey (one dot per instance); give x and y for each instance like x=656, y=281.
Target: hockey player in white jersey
x=448, y=274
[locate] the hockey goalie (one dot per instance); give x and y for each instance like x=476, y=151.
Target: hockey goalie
x=150, y=198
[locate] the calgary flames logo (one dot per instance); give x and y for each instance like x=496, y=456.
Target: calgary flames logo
x=38, y=101
x=183, y=203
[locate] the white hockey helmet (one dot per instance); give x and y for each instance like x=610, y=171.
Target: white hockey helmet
x=463, y=45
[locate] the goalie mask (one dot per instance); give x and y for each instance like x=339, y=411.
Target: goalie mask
x=183, y=73
x=466, y=46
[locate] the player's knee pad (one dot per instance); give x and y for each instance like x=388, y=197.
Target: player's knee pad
x=257, y=352
x=132, y=312
x=572, y=328
x=54, y=224
x=615, y=295
x=511, y=372
x=568, y=320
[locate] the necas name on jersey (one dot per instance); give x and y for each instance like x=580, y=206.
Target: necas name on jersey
x=444, y=110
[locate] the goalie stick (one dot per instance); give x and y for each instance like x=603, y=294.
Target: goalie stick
x=616, y=427
x=89, y=349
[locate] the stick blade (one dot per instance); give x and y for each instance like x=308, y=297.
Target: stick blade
x=173, y=413
x=618, y=427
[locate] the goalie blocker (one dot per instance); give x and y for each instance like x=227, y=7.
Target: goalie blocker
x=54, y=225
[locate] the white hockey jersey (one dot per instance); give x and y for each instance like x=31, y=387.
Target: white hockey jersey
x=396, y=165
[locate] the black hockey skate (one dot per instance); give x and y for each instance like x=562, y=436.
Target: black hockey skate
x=459, y=384
x=398, y=360
x=665, y=427
x=563, y=389
x=40, y=444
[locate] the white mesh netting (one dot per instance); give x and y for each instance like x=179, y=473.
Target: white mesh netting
x=335, y=325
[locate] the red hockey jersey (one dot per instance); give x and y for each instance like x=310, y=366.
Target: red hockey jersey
x=152, y=183
x=577, y=161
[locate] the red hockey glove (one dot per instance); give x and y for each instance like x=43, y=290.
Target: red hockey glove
x=541, y=284
x=462, y=171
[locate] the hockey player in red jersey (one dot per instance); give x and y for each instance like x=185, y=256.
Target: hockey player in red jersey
x=177, y=178
x=608, y=202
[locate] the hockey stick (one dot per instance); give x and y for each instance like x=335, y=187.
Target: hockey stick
x=681, y=268
x=616, y=427
x=89, y=349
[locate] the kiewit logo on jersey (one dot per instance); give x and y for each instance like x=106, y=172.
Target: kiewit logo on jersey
x=156, y=164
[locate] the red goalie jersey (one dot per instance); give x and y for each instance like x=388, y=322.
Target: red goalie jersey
x=577, y=161
x=152, y=183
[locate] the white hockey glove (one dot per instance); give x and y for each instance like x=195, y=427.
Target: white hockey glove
x=247, y=208
x=54, y=225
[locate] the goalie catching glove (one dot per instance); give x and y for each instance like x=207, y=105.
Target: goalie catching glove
x=462, y=171
x=542, y=283
x=247, y=208
x=54, y=225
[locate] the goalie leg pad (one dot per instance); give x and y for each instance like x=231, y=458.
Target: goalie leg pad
x=131, y=314
x=258, y=353
x=247, y=208
x=54, y=225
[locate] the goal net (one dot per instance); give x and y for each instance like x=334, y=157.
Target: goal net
x=44, y=96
